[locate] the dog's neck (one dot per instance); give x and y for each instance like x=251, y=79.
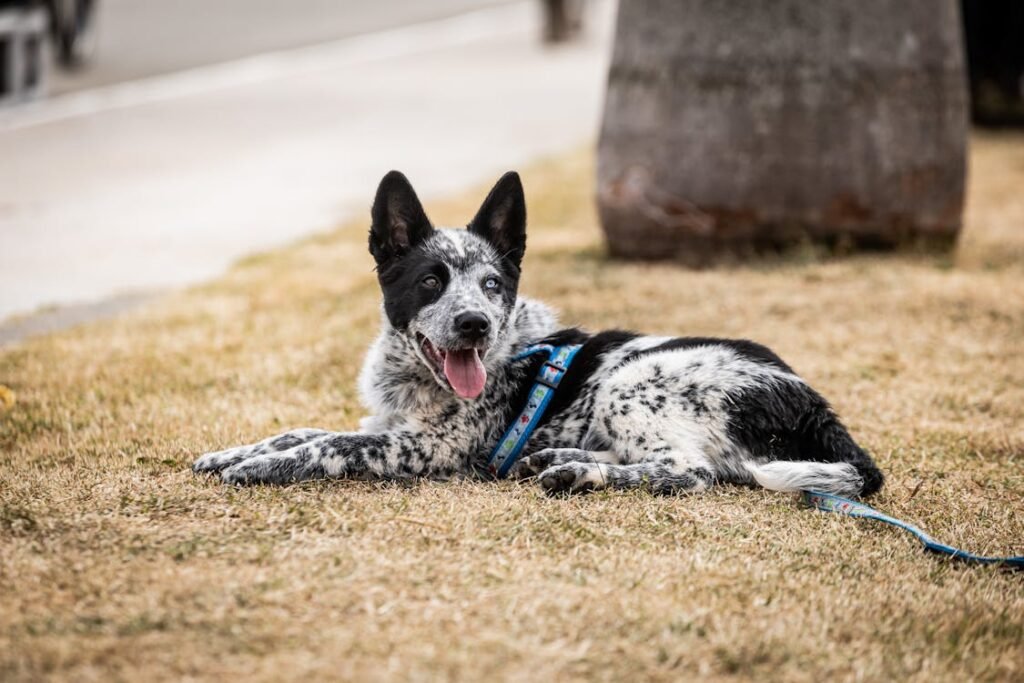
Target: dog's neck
x=394, y=382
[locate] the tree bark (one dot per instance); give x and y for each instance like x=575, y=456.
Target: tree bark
x=734, y=127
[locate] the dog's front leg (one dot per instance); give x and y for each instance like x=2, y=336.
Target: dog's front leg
x=348, y=455
x=218, y=461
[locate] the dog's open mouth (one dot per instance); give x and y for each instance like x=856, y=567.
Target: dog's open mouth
x=463, y=368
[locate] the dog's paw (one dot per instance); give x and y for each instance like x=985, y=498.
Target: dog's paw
x=538, y=461
x=572, y=477
x=275, y=469
x=218, y=461
x=529, y=466
x=212, y=463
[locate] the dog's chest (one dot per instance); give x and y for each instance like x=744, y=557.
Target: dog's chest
x=571, y=427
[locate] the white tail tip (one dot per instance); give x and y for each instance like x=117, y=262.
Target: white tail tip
x=839, y=478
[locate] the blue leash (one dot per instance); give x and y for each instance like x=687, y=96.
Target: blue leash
x=827, y=502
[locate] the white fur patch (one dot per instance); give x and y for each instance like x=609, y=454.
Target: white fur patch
x=839, y=478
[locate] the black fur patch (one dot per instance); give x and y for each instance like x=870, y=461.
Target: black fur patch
x=401, y=282
x=791, y=421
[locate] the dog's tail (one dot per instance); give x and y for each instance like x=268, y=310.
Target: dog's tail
x=840, y=478
x=836, y=464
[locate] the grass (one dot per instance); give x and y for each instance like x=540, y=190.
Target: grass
x=116, y=563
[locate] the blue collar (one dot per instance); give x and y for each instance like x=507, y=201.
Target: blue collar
x=548, y=378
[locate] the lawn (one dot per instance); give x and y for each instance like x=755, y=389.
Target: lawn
x=117, y=563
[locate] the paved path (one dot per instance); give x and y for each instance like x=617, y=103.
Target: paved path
x=141, y=38
x=159, y=183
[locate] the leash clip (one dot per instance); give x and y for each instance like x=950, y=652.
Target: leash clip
x=553, y=378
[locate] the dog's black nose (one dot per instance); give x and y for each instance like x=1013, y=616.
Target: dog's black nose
x=471, y=325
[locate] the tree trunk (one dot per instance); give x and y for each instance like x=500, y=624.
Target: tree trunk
x=735, y=127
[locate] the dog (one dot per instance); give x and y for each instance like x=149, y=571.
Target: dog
x=447, y=374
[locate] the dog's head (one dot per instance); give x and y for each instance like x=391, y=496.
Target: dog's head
x=452, y=292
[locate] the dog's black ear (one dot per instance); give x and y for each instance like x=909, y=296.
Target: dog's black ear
x=501, y=219
x=399, y=222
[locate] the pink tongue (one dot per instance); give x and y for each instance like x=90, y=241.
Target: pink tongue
x=465, y=372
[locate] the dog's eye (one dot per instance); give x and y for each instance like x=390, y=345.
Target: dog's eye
x=491, y=284
x=430, y=282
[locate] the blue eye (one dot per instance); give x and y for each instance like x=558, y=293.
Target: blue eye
x=491, y=283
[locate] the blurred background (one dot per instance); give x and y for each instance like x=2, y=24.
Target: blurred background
x=176, y=137
x=147, y=144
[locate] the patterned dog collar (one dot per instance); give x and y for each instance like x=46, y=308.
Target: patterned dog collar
x=548, y=378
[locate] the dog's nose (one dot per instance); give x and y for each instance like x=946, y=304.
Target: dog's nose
x=471, y=325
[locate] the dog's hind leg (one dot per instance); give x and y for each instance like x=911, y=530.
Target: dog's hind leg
x=663, y=473
x=221, y=460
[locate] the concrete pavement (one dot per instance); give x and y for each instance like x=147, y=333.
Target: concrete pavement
x=163, y=182
x=141, y=38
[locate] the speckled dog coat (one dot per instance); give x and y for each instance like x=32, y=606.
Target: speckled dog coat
x=442, y=382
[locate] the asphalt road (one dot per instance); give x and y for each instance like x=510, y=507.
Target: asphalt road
x=155, y=183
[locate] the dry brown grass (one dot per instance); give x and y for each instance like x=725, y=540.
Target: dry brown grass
x=115, y=563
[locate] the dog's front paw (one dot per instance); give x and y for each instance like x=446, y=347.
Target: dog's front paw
x=274, y=468
x=219, y=461
x=211, y=463
x=572, y=477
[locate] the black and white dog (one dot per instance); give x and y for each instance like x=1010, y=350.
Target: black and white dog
x=444, y=379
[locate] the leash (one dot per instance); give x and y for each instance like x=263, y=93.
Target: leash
x=548, y=378
x=826, y=502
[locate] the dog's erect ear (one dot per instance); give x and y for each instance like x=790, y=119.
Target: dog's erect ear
x=501, y=219
x=399, y=222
